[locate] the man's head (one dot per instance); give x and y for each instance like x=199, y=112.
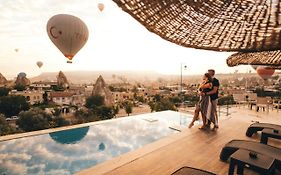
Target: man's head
x=211, y=72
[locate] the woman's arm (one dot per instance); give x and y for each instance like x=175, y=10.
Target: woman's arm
x=205, y=86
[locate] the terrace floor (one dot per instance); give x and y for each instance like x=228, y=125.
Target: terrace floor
x=190, y=147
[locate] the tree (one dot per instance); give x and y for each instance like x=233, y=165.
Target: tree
x=151, y=104
x=105, y=112
x=164, y=104
x=5, y=128
x=20, y=87
x=115, y=109
x=85, y=115
x=37, y=119
x=34, y=119
x=94, y=101
x=12, y=105
x=4, y=91
x=45, y=98
x=157, y=97
x=128, y=107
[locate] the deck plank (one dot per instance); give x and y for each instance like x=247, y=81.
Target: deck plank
x=195, y=148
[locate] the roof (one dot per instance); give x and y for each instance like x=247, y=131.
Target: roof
x=61, y=94
x=269, y=58
x=213, y=25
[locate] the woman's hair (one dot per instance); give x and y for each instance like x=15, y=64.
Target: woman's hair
x=209, y=77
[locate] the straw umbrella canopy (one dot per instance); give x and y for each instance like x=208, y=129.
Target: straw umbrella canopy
x=220, y=25
x=268, y=58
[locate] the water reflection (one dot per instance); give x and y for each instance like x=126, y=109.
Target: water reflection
x=86, y=147
x=101, y=147
x=71, y=136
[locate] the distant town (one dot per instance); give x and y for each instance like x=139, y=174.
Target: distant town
x=53, y=100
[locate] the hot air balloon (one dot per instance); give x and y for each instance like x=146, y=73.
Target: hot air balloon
x=22, y=74
x=39, y=64
x=101, y=146
x=265, y=72
x=16, y=50
x=68, y=33
x=101, y=6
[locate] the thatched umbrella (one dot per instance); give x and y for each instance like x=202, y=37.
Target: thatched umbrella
x=268, y=58
x=220, y=25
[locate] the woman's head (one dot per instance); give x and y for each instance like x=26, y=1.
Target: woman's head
x=207, y=77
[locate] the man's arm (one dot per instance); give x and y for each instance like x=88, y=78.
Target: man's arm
x=213, y=91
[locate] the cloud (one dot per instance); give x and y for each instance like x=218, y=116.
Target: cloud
x=117, y=136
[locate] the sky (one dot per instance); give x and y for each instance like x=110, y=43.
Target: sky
x=116, y=42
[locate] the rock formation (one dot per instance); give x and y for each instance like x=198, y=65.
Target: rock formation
x=101, y=89
x=22, y=80
x=62, y=80
x=3, y=80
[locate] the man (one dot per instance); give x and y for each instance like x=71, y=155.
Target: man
x=214, y=95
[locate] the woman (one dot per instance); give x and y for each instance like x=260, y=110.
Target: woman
x=204, y=103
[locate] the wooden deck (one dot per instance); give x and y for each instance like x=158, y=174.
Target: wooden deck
x=191, y=147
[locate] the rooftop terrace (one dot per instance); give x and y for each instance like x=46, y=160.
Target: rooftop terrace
x=191, y=147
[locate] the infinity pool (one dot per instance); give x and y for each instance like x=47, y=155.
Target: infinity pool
x=70, y=151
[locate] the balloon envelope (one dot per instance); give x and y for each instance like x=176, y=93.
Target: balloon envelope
x=101, y=6
x=265, y=72
x=22, y=74
x=16, y=50
x=39, y=64
x=68, y=33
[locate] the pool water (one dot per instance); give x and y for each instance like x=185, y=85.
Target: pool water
x=70, y=151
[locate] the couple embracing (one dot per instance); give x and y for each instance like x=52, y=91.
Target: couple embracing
x=207, y=105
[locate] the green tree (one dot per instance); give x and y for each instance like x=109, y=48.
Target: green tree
x=164, y=104
x=34, y=119
x=157, y=97
x=116, y=109
x=37, y=119
x=4, y=91
x=5, y=128
x=45, y=98
x=20, y=87
x=85, y=115
x=151, y=104
x=94, y=101
x=104, y=112
x=12, y=105
x=128, y=106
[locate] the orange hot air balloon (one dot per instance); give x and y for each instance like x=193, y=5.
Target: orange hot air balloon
x=101, y=6
x=39, y=64
x=68, y=33
x=265, y=72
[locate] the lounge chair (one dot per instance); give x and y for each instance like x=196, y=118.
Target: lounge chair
x=255, y=127
x=191, y=171
x=234, y=145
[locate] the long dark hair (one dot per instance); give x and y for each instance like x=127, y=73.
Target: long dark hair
x=210, y=79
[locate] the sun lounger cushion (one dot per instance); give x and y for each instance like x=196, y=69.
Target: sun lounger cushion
x=234, y=145
x=255, y=127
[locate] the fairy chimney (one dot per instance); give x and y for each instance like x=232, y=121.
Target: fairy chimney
x=62, y=80
x=3, y=80
x=101, y=89
x=22, y=80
